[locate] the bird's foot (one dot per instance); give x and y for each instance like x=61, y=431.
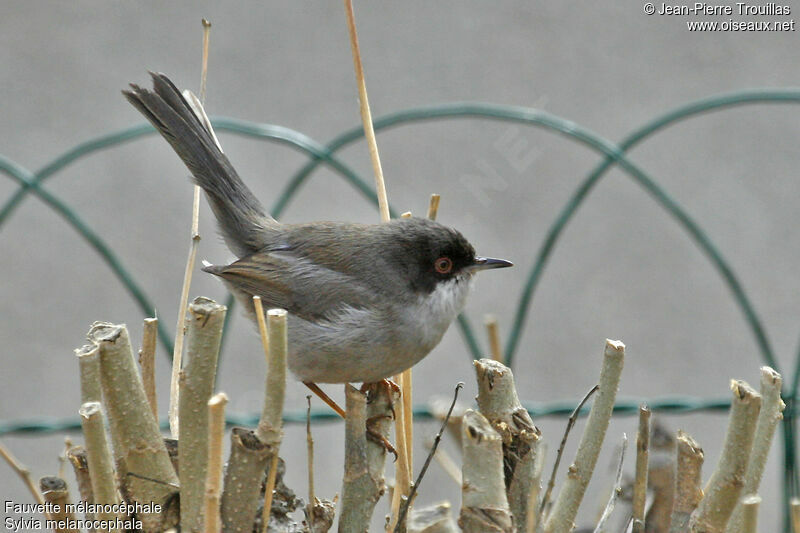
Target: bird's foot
x=374, y=434
x=389, y=386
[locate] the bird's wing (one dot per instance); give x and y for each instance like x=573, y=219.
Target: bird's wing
x=293, y=283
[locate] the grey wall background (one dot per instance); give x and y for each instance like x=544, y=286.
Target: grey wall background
x=623, y=270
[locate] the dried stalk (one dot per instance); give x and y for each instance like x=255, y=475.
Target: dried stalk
x=493, y=332
x=79, y=460
x=439, y=407
x=725, y=486
x=366, y=115
x=146, y=478
x=768, y=418
x=213, y=485
x=403, y=420
x=408, y=419
x=55, y=492
x=750, y=513
x=642, y=461
x=569, y=499
x=101, y=467
x=433, y=519
x=433, y=206
x=615, y=492
x=204, y=322
x=573, y=417
x=248, y=459
x=363, y=482
x=177, y=354
x=310, y=460
x=446, y=462
x=23, y=473
x=269, y=488
x=89, y=365
x=688, y=488
x=499, y=403
x=62, y=458
x=147, y=360
x=484, y=505
x=402, y=483
x=794, y=508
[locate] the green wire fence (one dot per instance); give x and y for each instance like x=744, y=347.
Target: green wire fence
x=318, y=153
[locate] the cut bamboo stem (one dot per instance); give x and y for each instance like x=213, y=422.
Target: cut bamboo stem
x=499, y=403
x=89, y=365
x=565, y=509
x=23, y=473
x=213, y=485
x=56, y=493
x=688, y=482
x=768, y=418
x=204, y=322
x=642, y=462
x=484, y=505
x=101, y=466
x=147, y=360
x=725, y=486
x=133, y=427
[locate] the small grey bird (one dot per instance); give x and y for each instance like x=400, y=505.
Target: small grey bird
x=365, y=301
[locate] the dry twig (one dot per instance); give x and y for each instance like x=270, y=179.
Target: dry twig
x=616, y=491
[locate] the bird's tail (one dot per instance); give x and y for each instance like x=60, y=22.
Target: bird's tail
x=242, y=219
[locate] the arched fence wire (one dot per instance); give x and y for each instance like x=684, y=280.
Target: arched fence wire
x=325, y=154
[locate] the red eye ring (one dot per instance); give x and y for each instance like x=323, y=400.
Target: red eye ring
x=443, y=265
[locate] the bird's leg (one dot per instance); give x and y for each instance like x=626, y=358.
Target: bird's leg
x=324, y=397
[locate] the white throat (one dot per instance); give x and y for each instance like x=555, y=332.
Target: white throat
x=434, y=312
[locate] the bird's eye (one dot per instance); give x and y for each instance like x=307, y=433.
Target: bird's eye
x=443, y=265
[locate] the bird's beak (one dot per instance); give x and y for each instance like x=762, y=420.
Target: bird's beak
x=485, y=263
